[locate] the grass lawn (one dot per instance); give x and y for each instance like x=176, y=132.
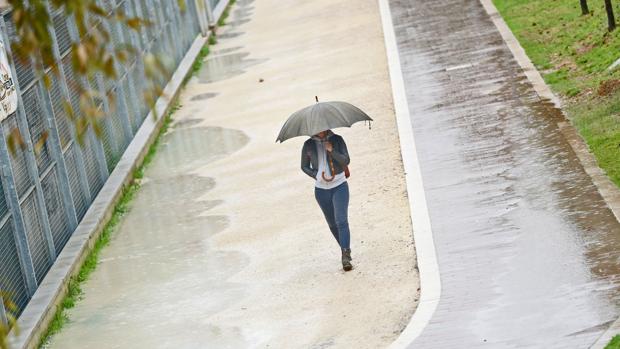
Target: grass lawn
x=573, y=53
x=614, y=344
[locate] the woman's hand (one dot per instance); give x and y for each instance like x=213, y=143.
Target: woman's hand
x=329, y=147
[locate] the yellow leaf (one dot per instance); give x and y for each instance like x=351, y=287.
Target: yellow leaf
x=134, y=23
x=109, y=69
x=40, y=143
x=17, y=15
x=15, y=140
x=82, y=57
x=68, y=109
x=96, y=10
x=122, y=56
x=47, y=81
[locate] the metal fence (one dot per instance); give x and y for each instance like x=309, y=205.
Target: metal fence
x=45, y=194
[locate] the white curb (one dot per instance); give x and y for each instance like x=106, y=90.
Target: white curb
x=430, y=284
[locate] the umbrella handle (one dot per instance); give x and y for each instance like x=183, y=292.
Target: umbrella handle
x=331, y=167
x=327, y=179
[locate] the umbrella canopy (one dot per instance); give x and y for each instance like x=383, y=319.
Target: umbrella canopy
x=321, y=117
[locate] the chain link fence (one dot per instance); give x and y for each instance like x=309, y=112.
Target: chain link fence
x=45, y=194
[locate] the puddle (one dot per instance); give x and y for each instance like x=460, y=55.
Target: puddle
x=203, y=96
x=229, y=35
x=186, y=149
x=239, y=22
x=186, y=123
x=325, y=344
x=160, y=259
x=224, y=51
x=223, y=67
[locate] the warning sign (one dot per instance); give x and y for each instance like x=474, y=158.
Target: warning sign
x=8, y=95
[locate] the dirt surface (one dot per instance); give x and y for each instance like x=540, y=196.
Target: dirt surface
x=225, y=245
x=608, y=87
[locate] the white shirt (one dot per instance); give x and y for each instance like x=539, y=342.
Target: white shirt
x=324, y=167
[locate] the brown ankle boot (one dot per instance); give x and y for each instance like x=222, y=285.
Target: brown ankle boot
x=346, y=259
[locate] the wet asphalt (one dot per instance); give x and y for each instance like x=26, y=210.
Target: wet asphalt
x=527, y=248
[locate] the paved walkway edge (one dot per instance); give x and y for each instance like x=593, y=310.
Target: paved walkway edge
x=608, y=190
x=42, y=307
x=219, y=8
x=430, y=283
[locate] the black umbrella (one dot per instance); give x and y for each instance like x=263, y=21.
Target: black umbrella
x=321, y=116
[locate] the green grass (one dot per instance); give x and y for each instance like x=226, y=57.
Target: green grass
x=571, y=50
x=198, y=63
x=599, y=124
x=614, y=343
x=212, y=40
x=222, y=21
x=573, y=53
x=200, y=59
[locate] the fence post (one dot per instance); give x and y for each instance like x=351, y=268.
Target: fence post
x=135, y=85
x=210, y=16
x=148, y=8
x=191, y=15
x=19, y=231
x=56, y=150
x=202, y=17
x=79, y=159
x=175, y=25
x=98, y=147
x=146, y=47
x=4, y=321
x=143, y=33
x=121, y=102
x=123, y=111
x=168, y=36
x=56, y=146
x=31, y=162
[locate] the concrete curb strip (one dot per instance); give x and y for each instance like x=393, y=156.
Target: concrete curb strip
x=42, y=307
x=608, y=190
x=430, y=283
x=219, y=9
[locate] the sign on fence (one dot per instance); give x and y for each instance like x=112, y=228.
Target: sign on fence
x=8, y=96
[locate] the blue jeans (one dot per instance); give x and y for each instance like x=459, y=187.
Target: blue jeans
x=335, y=206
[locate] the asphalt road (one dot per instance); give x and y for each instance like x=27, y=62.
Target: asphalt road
x=526, y=246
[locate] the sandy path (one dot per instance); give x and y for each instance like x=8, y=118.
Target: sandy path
x=264, y=271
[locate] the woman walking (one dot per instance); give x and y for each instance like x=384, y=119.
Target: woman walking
x=324, y=157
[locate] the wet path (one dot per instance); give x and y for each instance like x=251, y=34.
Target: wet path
x=164, y=261
x=526, y=247
x=224, y=245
